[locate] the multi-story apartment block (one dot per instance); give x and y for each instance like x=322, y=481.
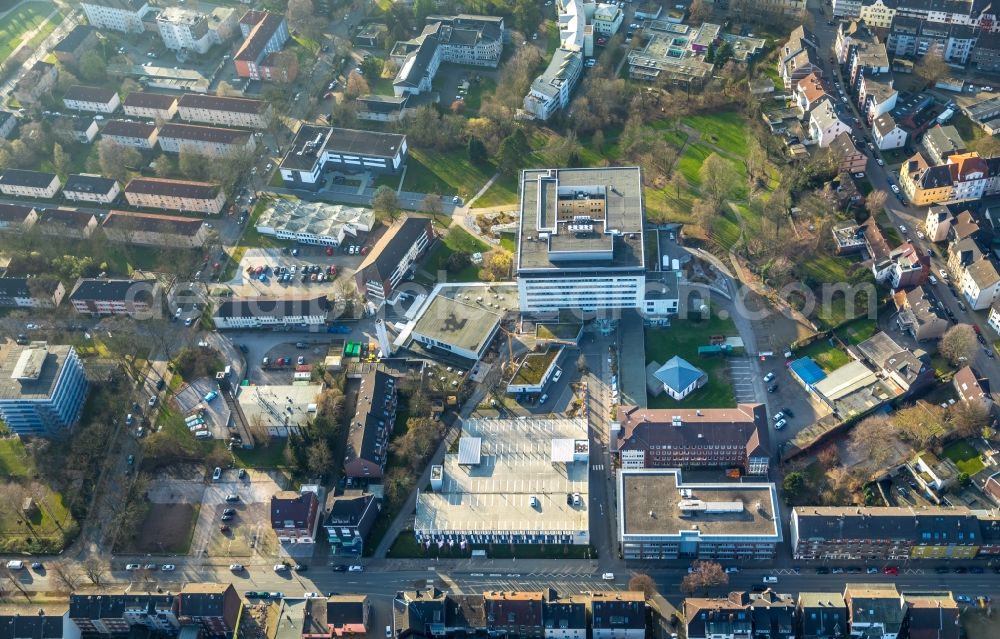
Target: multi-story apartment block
x=656, y=508
x=821, y=615
x=580, y=242
x=91, y=188
x=824, y=123
x=225, y=111
x=919, y=315
x=191, y=31
x=8, y=122
x=368, y=433
x=36, y=82
x=772, y=7
x=606, y=19
x=42, y=388
x=205, y=140
x=887, y=134
x=876, y=96
x=155, y=106
x=17, y=217
x=693, y=438
x=116, y=15
x=993, y=320
x=31, y=621
x=851, y=158
x=550, y=92
x=883, y=533
x=941, y=142
x=351, y=517
x=107, y=612
x=176, y=195
x=316, y=151
x=461, y=39
x=31, y=292
x=141, y=135
x=74, y=44
x=150, y=229
x=565, y=617
x=22, y=183
x=618, y=615
x=269, y=312
x=914, y=38
x=264, y=35
x=96, y=99
x=67, y=223
x=799, y=57
x=392, y=257
x=986, y=53
x=514, y=614
x=718, y=617
x=295, y=515
x=138, y=299
x=980, y=284
x=963, y=176
x=874, y=610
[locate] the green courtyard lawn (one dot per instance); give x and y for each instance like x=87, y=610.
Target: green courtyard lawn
x=725, y=129
x=445, y=173
x=16, y=24
x=455, y=239
x=683, y=338
x=501, y=193
x=858, y=331
x=829, y=357
x=477, y=91
x=13, y=458
x=965, y=456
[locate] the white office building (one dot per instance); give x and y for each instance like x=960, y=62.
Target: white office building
x=580, y=239
x=116, y=15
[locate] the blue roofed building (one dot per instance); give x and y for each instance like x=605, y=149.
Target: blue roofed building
x=807, y=371
x=680, y=378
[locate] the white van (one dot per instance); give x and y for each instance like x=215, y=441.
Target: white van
x=15, y=564
x=608, y=576
x=202, y=434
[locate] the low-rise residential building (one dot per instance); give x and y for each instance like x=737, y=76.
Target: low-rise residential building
x=8, y=123
x=942, y=141
x=656, y=508
x=191, y=31
x=891, y=533
x=876, y=96
x=141, y=135
x=17, y=217
x=888, y=135
x=961, y=254
x=176, y=195
x=295, y=516
x=213, y=608
x=23, y=183
x=205, y=140
x=264, y=34
x=930, y=614
x=269, y=312
x=809, y=91
x=316, y=151
x=82, y=130
x=117, y=15
x=713, y=617
x=906, y=266
x=368, y=433
x=393, y=257
x=349, y=521
x=971, y=387
x=910, y=372
x=821, y=615
x=36, y=82
x=65, y=223
x=692, y=438
x=82, y=38
x=935, y=473
x=986, y=53
x=225, y=111
x=150, y=229
x=154, y=106
x=347, y=615
x=993, y=319
x=937, y=223
x=851, y=158
x=31, y=292
x=84, y=187
x=618, y=615
x=138, y=299
x=42, y=388
x=874, y=610
x=919, y=315
x=95, y=99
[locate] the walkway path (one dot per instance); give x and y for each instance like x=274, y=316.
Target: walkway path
x=42, y=50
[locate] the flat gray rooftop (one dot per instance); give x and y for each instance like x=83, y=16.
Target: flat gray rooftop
x=44, y=361
x=466, y=316
x=515, y=464
x=657, y=492
x=588, y=218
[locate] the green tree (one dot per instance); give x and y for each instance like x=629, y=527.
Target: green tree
x=420, y=440
x=372, y=67
x=513, y=151
x=60, y=160
x=424, y=8
x=527, y=15
x=793, y=484
x=477, y=151
x=194, y=166
x=92, y=67
x=166, y=167
x=385, y=203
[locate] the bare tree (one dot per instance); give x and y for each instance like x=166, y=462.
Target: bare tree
x=65, y=576
x=95, y=570
x=703, y=576
x=931, y=67
x=431, y=203
x=641, y=582
x=870, y=440
x=958, y=344
x=875, y=202
x=11, y=577
x=968, y=417
x=921, y=423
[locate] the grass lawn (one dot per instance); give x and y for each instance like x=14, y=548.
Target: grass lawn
x=965, y=456
x=13, y=458
x=273, y=456
x=726, y=130
x=46, y=29
x=828, y=357
x=858, y=331
x=445, y=173
x=502, y=192
x=252, y=238
x=14, y=25
x=508, y=241
x=683, y=339
x=474, y=99
x=456, y=239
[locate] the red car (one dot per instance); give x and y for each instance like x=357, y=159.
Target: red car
x=891, y=570
x=329, y=250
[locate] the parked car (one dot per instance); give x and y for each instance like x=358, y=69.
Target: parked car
x=356, y=568
x=168, y=567
x=768, y=377
x=217, y=473
x=237, y=568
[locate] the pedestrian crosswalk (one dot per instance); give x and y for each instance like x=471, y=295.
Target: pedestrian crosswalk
x=598, y=467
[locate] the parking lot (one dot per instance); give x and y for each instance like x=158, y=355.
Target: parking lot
x=249, y=530
x=316, y=261
x=741, y=373
x=789, y=395
x=217, y=413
